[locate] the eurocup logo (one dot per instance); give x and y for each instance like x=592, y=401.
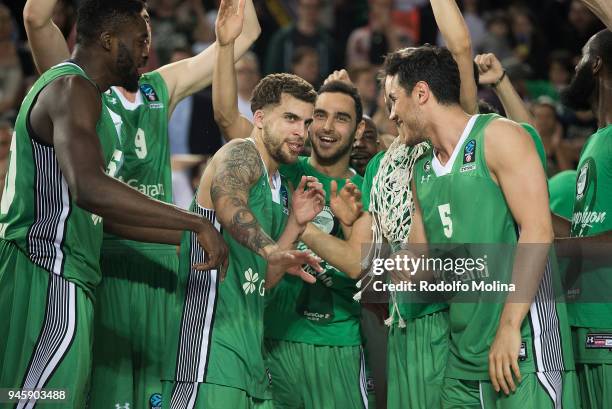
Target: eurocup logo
x=155, y=401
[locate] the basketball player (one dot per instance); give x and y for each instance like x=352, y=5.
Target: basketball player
x=140, y=278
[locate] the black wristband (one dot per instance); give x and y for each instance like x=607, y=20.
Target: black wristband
x=494, y=85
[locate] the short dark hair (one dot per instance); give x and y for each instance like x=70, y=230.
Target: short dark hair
x=346, y=89
x=96, y=16
x=433, y=65
x=270, y=89
x=602, y=47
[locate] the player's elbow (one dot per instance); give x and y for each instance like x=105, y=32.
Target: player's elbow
x=33, y=18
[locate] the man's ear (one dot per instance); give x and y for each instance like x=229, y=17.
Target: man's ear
x=106, y=40
x=258, y=117
x=422, y=92
x=597, y=64
x=360, y=127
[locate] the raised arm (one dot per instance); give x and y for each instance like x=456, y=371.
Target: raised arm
x=602, y=9
x=188, y=76
x=457, y=37
x=514, y=162
x=225, y=93
x=492, y=73
x=46, y=41
x=66, y=115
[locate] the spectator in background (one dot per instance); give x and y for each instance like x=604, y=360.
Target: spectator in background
x=364, y=78
x=497, y=40
x=550, y=129
x=307, y=31
x=305, y=64
x=6, y=132
x=560, y=70
x=530, y=45
x=10, y=67
x=365, y=146
x=573, y=36
x=369, y=44
x=247, y=76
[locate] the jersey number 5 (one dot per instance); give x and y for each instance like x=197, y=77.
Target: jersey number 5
x=447, y=222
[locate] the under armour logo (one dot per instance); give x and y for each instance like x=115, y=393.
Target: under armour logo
x=590, y=340
x=97, y=219
x=126, y=405
x=112, y=100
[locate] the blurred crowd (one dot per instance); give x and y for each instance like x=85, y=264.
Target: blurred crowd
x=537, y=43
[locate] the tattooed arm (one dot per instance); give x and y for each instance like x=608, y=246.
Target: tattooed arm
x=238, y=169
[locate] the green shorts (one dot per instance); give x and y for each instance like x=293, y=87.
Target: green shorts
x=198, y=395
x=416, y=361
x=45, y=340
x=133, y=304
x=595, y=385
x=541, y=390
x=306, y=376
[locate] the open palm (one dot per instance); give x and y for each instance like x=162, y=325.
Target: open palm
x=230, y=19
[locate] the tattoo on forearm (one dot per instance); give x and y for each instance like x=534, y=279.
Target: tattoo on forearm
x=239, y=169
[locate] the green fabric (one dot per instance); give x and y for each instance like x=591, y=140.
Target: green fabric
x=368, y=179
x=530, y=393
x=46, y=330
x=562, y=191
x=539, y=145
x=145, y=150
x=133, y=304
x=306, y=376
x=209, y=396
x=592, y=204
x=595, y=385
x=37, y=211
x=453, y=213
x=323, y=313
x=416, y=360
x=233, y=346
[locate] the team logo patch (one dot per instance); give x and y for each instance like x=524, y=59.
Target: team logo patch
x=523, y=351
x=155, y=401
x=269, y=376
x=284, y=194
x=149, y=92
x=469, y=152
x=427, y=166
x=597, y=341
x=581, y=181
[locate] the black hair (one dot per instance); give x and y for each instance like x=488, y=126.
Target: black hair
x=347, y=89
x=97, y=16
x=433, y=65
x=601, y=47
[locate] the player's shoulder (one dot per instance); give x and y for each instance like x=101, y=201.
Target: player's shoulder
x=242, y=152
x=502, y=134
x=70, y=92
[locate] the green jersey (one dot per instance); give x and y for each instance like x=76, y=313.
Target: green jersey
x=407, y=310
x=461, y=203
x=323, y=313
x=562, y=191
x=38, y=212
x=217, y=336
x=591, y=206
x=145, y=153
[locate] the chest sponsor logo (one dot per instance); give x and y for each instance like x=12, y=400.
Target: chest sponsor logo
x=253, y=283
x=469, y=152
x=154, y=190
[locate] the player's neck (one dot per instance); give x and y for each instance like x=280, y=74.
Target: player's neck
x=446, y=129
x=94, y=66
x=604, y=103
x=269, y=162
x=338, y=169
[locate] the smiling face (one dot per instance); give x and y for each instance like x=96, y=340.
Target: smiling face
x=284, y=127
x=333, y=128
x=405, y=112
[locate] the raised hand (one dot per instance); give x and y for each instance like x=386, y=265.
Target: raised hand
x=307, y=200
x=489, y=68
x=341, y=75
x=230, y=19
x=347, y=204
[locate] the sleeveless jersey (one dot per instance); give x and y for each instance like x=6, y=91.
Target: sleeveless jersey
x=145, y=153
x=407, y=310
x=37, y=212
x=590, y=217
x=217, y=336
x=461, y=203
x=323, y=313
